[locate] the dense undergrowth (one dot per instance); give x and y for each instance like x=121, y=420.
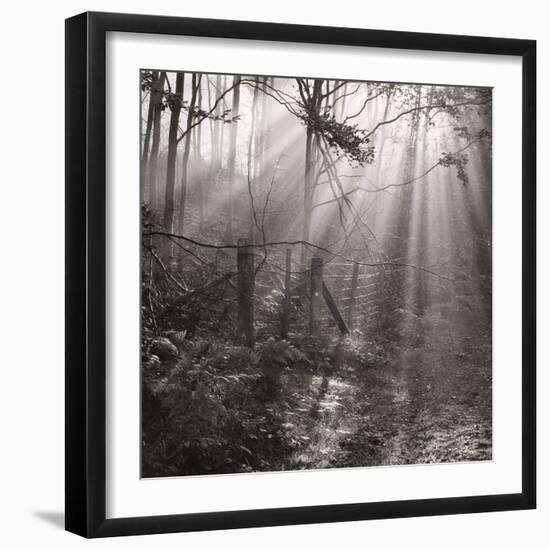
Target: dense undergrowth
x=210, y=406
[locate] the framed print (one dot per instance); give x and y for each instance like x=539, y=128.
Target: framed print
x=300, y=274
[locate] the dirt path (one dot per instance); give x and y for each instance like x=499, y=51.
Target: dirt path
x=323, y=422
x=426, y=407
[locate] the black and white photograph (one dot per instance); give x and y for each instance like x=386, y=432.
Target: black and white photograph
x=316, y=273
x=274, y=275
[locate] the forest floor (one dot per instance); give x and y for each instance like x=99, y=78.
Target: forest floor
x=428, y=405
x=337, y=403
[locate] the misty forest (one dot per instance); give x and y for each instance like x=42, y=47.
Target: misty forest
x=316, y=273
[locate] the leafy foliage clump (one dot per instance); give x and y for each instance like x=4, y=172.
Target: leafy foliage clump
x=204, y=410
x=276, y=357
x=459, y=161
x=345, y=139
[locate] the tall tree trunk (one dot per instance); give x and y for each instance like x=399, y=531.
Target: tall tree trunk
x=401, y=230
x=185, y=161
x=343, y=101
x=176, y=101
x=251, y=171
x=314, y=103
x=198, y=164
x=221, y=125
x=308, y=186
x=147, y=135
x=213, y=137
x=260, y=142
x=152, y=176
x=217, y=129
x=232, y=157
x=267, y=123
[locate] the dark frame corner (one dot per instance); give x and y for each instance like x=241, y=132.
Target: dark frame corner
x=85, y=274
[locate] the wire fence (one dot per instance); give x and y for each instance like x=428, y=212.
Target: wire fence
x=274, y=296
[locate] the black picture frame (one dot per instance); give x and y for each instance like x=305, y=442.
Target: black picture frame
x=86, y=273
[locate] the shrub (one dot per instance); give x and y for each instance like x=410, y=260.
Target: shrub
x=209, y=409
x=275, y=357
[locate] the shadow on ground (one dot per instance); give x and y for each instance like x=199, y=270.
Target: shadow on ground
x=56, y=519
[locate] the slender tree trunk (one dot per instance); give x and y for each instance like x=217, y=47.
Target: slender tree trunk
x=251, y=173
x=198, y=164
x=217, y=128
x=184, y=165
x=310, y=160
x=401, y=243
x=267, y=123
x=308, y=183
x=176, y=102
x=148, y=127
x=221, y=126
x=213, y=141
x=343, y=101
x=232, y=157
x=152, y=175
x=147, y=136
x=260, y=143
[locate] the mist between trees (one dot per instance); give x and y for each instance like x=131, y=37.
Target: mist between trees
x=316, y=273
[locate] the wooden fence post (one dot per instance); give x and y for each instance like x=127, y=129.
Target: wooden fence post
x=245, y=293
x=316, y=295
x=286, y=300
x=353, y=293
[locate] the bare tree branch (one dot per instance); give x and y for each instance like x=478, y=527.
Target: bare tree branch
x=293, y=243
x=390, y=185
x=422, y=107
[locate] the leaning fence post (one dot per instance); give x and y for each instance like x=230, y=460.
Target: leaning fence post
x=316, y=295
x=245, y=293
x=353, y=292
x=286, y=300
